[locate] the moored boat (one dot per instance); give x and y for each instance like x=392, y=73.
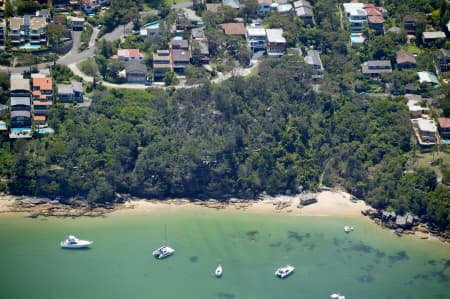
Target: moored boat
x=163, y=252
x=347, y=229
x=73, y=242
x=284, y=271
x=337, y=296
x=219, y=271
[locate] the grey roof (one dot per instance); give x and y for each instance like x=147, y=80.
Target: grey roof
x=20, y=84
x=20, y=101
x=444, y=52
x=304, y=11
x=77, y=86
x=20, y=114
x=313, y=57
x=232, y=3
x=70, y=88
x=433, y=35
x=135, y=67
x=3, y=107
x=198, y=33
x=181, y=44
x=301, y=3
x=204, y=50
x=180, y=55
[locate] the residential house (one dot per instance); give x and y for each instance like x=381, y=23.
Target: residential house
x=20, y=119
x=179, y=50
x=2, y=8
x=374, y=68
x=20, y=107
x=356, y=15
x=303, y=10
x=256, y=38
x=44, y=13
x=412, y=22
x=442, y=59
x=444, y=127
x=42, y=94
x=264, y=7
x=130, y=55
x=198, y=39
x=405, y=60
x=135, y=71
x=162, y=63
x=20, y=104
x=428, y=78
x=187, y=19
x=284, y=8
x=416, y=108
x=151, y=30
x=429, y=37
x=69, y=93
x=306, y=14
x=90, y=7
x=19, y=87
x=17, y=31
x=235, y=29
x=2, y=32
x=275, y=42
x=76, y=23
x=37, y=31
x=231, y=3
x=426, y=131
x=375, y=18
x=313, y=58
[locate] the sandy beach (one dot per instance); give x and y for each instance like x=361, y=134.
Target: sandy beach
x=328, y=204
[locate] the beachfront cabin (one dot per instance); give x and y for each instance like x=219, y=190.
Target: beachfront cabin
x=308, y=198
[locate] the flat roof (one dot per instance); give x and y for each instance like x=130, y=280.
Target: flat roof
x=20, y=101
x=20, y=84
x=434, y=35
x=254, y=31
x=426, y=125
x=414, y=105
x=427, y=77
x=275, y=35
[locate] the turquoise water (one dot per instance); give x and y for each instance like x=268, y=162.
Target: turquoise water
x=30, y=46
x=20, y=130
x=367, y=263
x=45, y=131
x=152, y=25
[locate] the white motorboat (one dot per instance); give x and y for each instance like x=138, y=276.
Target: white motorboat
x=337, y=296
x=284, y=271
x=219, y=271
x=163, y=252
x=347, y=229
x=74, y=243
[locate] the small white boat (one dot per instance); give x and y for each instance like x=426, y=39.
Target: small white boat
x=163, y=252
x=219, y=271
x=347, y=229
x=284, y=271
x=74, y=243
x=337, y=296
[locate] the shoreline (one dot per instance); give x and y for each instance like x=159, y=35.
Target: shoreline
x=329, y=204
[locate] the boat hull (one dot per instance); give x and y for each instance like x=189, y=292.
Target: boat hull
x=80, y=245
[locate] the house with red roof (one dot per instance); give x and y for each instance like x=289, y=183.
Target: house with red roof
x=375, y=18
x=42, y=94
x=130, y=55
x=444, y=127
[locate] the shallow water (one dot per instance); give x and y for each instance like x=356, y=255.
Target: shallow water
x=367, y=263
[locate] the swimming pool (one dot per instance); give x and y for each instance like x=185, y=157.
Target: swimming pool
x=45, y=131
x=29, y=46
x=152, y=25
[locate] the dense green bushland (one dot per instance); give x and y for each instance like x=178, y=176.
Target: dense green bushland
x=241, y=138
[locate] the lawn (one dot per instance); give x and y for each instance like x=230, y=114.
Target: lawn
x=426, y=160
x=413, y=49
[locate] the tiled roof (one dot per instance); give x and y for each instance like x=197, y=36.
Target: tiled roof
x=15, y=23
x=213, y=7
x=444, y=122
x=43, y=83
x=403, y=57
x=37, y=23
x=132, y=53
x=375, y=19
x=234, y=28
x=179, y=55
x=39, y=117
